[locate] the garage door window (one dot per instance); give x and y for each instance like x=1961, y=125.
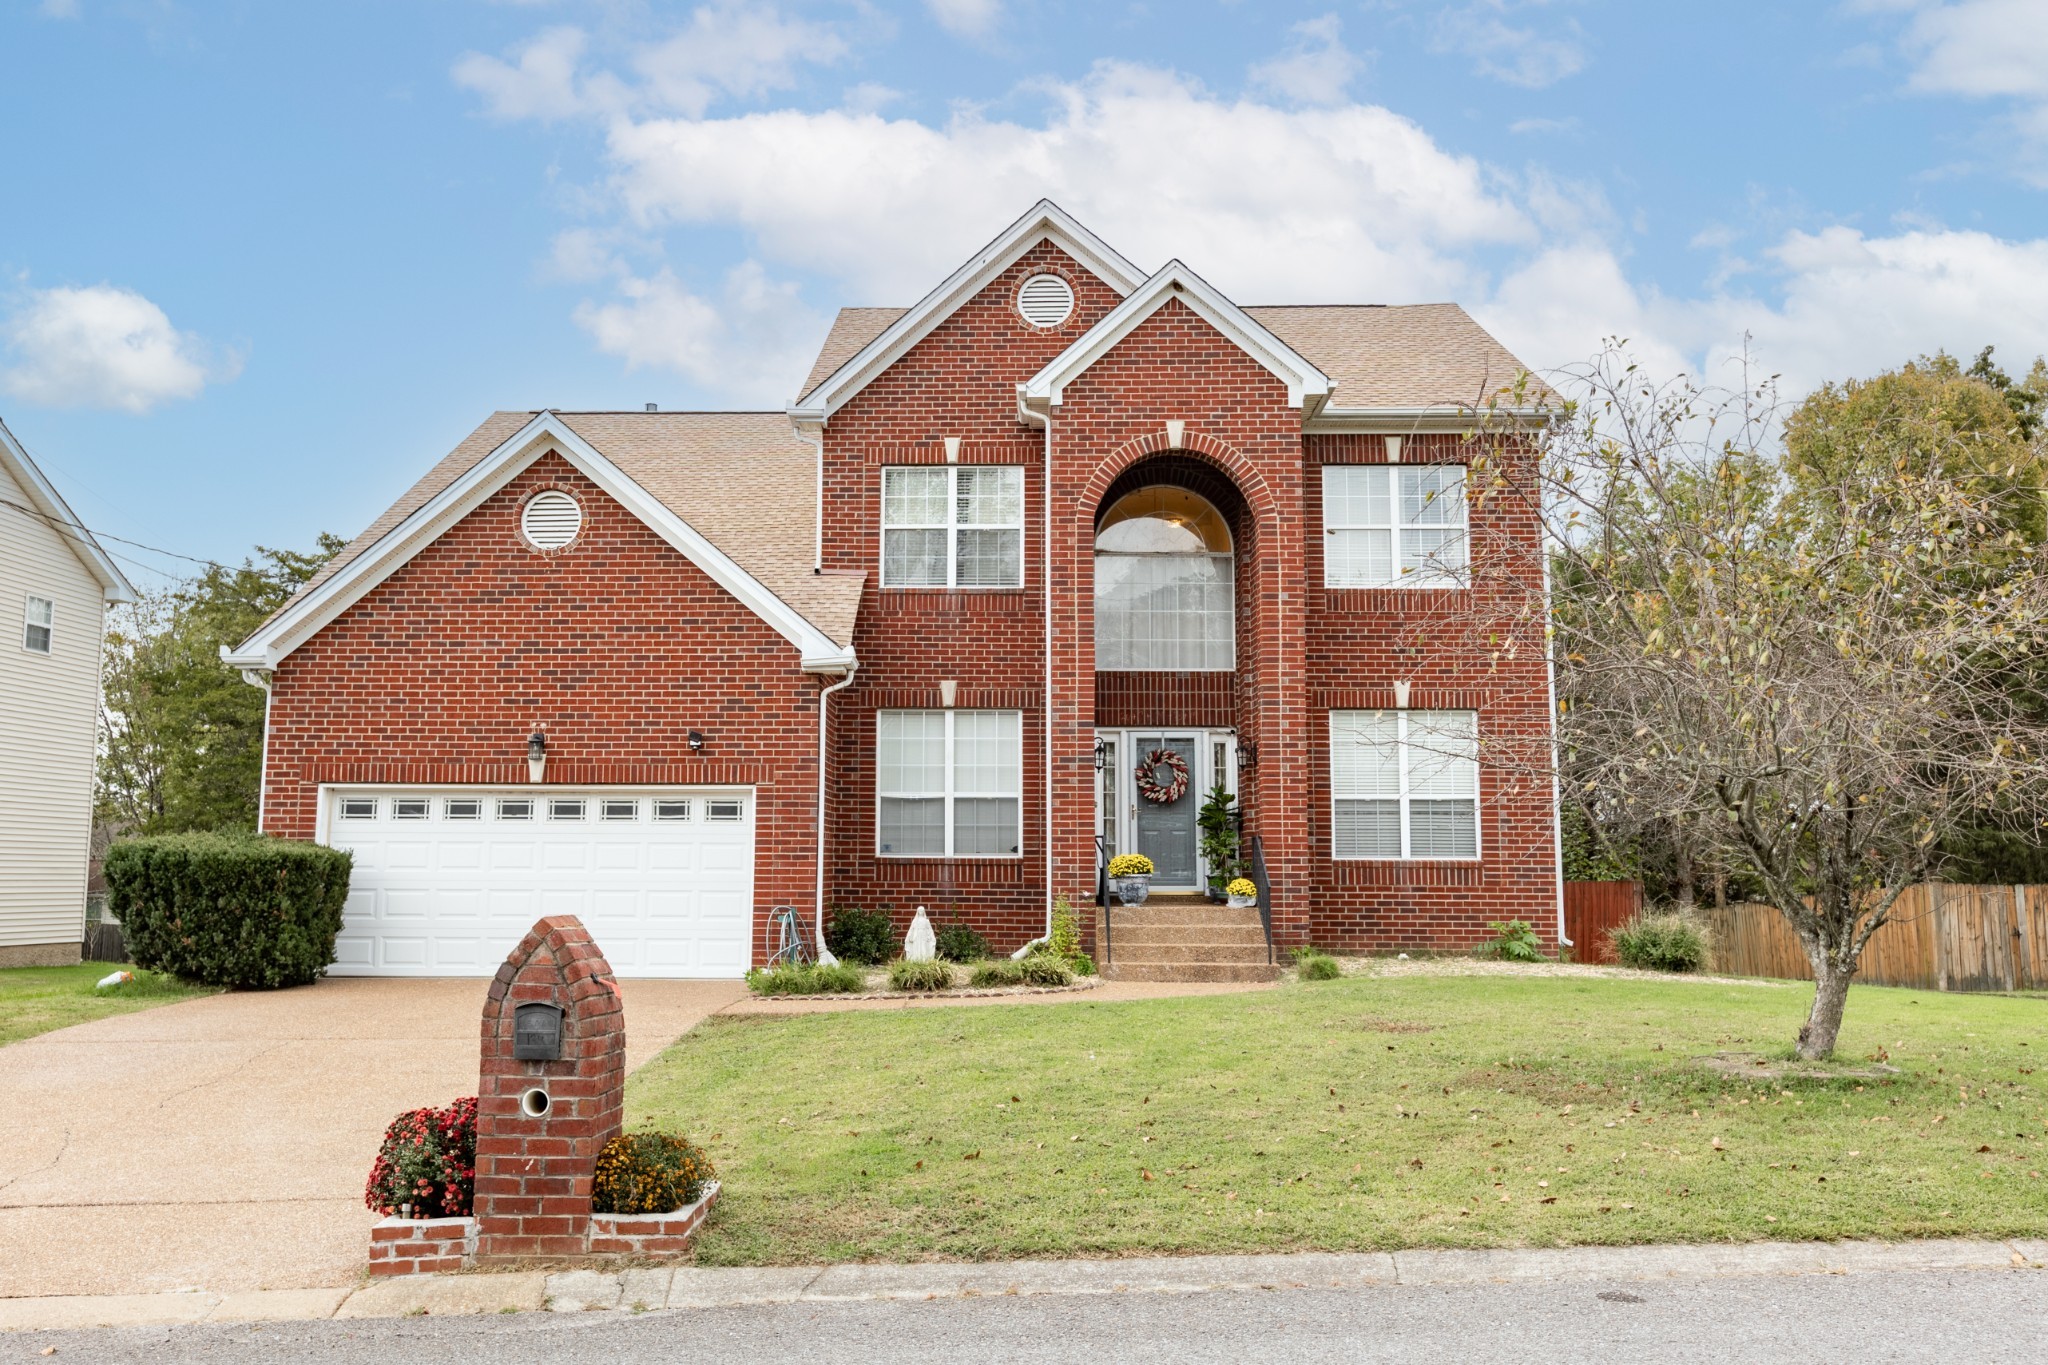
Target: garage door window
x=949, y=783
x=565, y=810
x=515, y=810
x=464, y=808
x=409, y=808
x=671, y=810
x=621, y=810
x=724, y=810
x=359, y=808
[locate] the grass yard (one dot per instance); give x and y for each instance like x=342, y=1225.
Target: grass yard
x=1365, y=1113
x=37, y=999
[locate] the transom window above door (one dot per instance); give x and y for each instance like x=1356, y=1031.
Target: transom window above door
x=1391, y=526
x=1165, y=585
x=953, y=526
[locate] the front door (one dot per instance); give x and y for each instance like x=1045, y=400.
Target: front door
x=1165, y=831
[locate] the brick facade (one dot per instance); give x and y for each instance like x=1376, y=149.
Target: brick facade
x=621, y=646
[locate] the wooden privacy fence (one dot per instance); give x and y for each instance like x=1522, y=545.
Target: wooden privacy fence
x=1594, y=909
x=1938, y=937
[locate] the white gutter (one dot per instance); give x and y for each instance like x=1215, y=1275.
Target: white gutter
x=824, y=699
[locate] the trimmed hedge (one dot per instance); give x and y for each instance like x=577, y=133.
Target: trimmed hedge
x=229, y=909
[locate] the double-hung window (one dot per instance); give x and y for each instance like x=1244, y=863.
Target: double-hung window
x=1405, y=784
x=948, y=784
x=1394, y=526
x=38, y=625
x=953, y=526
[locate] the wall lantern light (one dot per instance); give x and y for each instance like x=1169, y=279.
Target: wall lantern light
x=1247, y=755
x=696, y=741
x=536, y=757
x=1101, y=754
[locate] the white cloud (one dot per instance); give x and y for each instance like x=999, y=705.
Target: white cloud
x=752, y=344
x=1242, y=190
x=60, y=9
x=540, y=84
x=725, y=49
x=967, y=18
x=1316, y=69
x=103, y=347
x=1523, y=126
x=1532, y=56
x=1984, y=49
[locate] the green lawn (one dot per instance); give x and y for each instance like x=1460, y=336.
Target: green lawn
x=37, y=999
x=1356, y=1114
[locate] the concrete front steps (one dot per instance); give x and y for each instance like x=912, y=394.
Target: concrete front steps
x=1183, y=938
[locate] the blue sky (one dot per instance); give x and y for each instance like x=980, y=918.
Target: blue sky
x=261, y=264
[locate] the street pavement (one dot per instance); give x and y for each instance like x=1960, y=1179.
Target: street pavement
x=1956, y=1317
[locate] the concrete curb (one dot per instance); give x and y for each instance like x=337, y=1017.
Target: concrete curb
x=688, y=1287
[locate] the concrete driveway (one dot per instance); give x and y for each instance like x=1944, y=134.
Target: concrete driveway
x=223, y=1143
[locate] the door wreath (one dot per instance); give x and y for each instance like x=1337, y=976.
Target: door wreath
x=1162, y=777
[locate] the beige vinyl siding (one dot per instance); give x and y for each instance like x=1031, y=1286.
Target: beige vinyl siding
x=48, y=707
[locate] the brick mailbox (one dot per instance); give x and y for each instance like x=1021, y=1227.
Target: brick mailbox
x=549, y=1093
x=550, y=1090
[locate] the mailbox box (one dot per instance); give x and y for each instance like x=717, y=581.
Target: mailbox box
x=537, y=1032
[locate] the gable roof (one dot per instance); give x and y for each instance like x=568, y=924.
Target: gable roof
x=1307, y=386
x=49, y=507
x=1378, y=356
x=716, y=485
x=1045, y=221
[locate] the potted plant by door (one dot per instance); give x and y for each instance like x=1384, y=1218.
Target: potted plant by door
x=1131, y=875
x=1218, y=824
x=1242, y=893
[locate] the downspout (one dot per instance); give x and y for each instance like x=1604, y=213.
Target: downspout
x=824, y=699
x=1027, y=414
x=1556, y=808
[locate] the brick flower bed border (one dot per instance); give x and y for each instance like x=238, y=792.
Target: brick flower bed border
x=428, y=1246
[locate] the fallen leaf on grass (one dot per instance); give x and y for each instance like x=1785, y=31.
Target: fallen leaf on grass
x=1550, y=1200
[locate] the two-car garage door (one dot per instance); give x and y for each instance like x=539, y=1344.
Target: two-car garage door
x=446, y=882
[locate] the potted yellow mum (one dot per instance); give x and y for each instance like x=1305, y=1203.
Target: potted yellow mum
x=1242, y=892
x=1131, y=875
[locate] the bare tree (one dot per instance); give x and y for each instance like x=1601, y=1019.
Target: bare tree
x=1815, y=679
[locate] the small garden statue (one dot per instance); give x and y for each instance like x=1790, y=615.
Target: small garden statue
x=920, y=944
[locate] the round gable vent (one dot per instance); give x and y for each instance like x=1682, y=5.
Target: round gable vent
x=1045, y=300
x=551, y=520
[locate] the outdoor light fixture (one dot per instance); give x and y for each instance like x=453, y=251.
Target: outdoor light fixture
x=536, y=757
x=1247, y=755
x=696, y=741
x=1101, y=754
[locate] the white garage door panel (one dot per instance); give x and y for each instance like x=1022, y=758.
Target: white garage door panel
x=446, y=896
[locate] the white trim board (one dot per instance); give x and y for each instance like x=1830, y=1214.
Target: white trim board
x=309, y=614
x=1308, y=388
x=50, y=505
x=1045, y=222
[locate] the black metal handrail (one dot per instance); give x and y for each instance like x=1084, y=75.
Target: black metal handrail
x=1102, y=899
x=1265, y=885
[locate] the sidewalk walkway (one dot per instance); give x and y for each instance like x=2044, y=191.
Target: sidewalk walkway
x=690, y=1287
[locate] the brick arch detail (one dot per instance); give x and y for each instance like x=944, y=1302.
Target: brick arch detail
x=1220, y=455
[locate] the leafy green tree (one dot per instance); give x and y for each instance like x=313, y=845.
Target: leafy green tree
x=181, y=733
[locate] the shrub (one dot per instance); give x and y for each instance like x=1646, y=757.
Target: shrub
x=905, y=975
x=230, y=910
x=1513, y=941
x=1661, y=943
x=1313, y=966
x=1046, y=969
x=648, y=1173
x=1065, y=938
x=1082, y=964
x=996, y=972
x=958, y=943
x=862, y=936
x=807, y=978
x=1130, y=865
x=427, y=1161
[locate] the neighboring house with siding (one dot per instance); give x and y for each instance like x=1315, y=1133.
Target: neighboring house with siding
x=55, y=584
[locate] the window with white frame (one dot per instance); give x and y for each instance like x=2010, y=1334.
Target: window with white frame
x=39, y=625
x=1394, y=526
x=1405, y=784
x=948, y=784
x=953, y=526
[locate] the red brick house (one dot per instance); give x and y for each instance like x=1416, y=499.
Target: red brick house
x=920, y=638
